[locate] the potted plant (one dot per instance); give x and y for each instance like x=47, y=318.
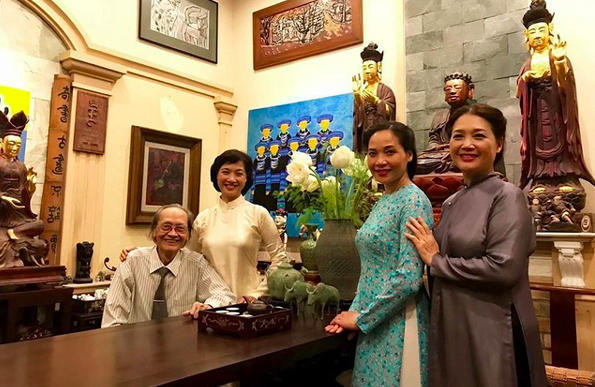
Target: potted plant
x=343, y=195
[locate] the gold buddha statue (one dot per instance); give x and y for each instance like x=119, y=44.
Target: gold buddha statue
x=19, y=226
x=373, y=101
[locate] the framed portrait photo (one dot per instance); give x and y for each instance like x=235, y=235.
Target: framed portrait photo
x=164, y=169
x=188, y=26
x=296, y=29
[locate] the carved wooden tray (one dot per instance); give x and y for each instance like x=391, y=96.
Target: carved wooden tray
x=243, y=326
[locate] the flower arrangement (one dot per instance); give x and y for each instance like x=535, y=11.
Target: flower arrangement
x=342, y=192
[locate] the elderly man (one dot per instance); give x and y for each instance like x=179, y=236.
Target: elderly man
x=166, y=279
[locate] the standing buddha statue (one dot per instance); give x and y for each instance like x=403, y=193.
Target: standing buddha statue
x=551, y=151
x=373, y=101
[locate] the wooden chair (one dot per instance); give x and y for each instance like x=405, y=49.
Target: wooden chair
x=565, y=377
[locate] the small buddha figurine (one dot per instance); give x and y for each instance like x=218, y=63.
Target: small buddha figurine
x=551, y=150
x=458, y=90
x=373, y=101
x=19, y=226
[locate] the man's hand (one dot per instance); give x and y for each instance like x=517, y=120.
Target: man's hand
x=125, y=251
x=196, y=307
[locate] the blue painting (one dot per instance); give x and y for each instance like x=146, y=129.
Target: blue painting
x=316, y=127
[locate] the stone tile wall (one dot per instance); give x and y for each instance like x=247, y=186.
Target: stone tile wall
x=481, y=37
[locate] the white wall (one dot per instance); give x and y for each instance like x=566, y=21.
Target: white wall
x=574, y=22
x=317, y=76
x=112, y=26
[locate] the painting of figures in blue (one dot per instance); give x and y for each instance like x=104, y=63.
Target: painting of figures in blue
x=316, y=127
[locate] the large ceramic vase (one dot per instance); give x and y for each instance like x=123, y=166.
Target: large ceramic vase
x=307, y=249
x=337, y=257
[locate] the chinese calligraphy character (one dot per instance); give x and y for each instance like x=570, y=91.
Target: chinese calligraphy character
x=56, y=190
x=64, y=113
x=54, y=214
x=93, y=110
x=59, y=168
x=65, y=93
x=62, y=142
x=54, y=243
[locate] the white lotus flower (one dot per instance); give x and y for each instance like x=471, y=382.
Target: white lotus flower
x=297, y=173
x=342, y=157
x=302, y=158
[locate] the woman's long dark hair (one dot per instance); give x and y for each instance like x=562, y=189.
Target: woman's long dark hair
x=406, y=139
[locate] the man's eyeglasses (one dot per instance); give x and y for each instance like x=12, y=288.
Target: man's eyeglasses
x=166, y=228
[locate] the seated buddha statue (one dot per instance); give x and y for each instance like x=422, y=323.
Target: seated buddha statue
x=458, y=90
x=19, y=226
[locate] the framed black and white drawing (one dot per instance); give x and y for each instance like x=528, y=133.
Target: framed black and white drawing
x=189, y=26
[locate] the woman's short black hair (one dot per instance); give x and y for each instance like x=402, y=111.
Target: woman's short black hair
x=406, y=139
x=489, y=113
x=232, y=156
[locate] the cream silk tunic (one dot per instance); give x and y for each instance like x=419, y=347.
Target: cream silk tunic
x=229, y=235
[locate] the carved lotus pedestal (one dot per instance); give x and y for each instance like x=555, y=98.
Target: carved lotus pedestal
x=438, y=187
x=556, y=204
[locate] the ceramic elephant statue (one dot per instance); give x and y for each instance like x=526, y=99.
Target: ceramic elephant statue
x=322, y=295
x=298, y=293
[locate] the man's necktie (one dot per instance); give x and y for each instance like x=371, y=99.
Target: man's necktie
x=159, y=301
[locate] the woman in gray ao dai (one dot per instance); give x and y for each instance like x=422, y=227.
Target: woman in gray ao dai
x=483, y=329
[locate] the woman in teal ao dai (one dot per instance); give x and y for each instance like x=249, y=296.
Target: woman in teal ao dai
x=391, y=307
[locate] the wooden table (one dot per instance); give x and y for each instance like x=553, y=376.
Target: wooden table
x=158, y=353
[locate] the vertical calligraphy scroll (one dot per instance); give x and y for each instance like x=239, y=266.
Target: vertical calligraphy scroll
x=52, y=201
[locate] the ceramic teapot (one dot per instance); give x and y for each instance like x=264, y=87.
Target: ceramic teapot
x=257, y=307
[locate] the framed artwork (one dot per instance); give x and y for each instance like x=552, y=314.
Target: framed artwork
x=189, y=26
x=164, y=169
x=316, y=127
x=296, y=29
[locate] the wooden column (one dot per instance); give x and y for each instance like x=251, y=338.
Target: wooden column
x=226, y=110
x=86, y=175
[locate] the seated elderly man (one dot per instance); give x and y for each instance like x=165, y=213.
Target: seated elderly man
x=165, y=279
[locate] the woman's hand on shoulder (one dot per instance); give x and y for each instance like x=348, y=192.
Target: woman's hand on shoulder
x=423, y=239
x=124, y=253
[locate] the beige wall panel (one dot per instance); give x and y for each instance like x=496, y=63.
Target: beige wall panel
x=97, y=186
x=585, y=327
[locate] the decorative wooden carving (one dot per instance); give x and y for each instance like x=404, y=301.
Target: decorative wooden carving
x=91, y=122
